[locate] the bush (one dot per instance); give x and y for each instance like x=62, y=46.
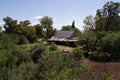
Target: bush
x=53, y=47
x=77, y=54
x=23, y=40
x=111, y=44
x=88, y=40
x=100, y=56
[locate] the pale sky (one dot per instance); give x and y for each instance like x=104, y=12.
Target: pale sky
x=63, y=12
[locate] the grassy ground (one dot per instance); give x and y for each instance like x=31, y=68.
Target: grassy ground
x=61, y=48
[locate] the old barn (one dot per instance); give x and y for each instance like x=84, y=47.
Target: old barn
x=64, y=38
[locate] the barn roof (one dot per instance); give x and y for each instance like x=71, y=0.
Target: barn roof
x=64, y=34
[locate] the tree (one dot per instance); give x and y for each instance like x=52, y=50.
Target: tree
x=89, y=23
x=10, y=25
x=108, y=17
x=25, y=23
x=46, y=23
x=72, y=27
x=111, y=44
x=52, y=32
x=68, y=27
x=23, y=30
x=101, y=23
x=39, y=31
x=73, y=24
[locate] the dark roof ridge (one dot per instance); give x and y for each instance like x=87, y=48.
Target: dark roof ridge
x=64, y=34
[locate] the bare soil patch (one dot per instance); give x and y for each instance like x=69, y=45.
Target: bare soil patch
x=112, y=69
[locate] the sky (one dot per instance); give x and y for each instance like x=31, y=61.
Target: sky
x=63, y=12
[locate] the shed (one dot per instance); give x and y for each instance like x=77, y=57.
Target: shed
x=64, y=38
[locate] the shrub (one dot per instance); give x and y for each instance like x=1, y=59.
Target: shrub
x=53, y=47
x=23, y=40
x=32, y=38
x=100, y=56
x=106, y=77
x=111, y=44
x=77, y=54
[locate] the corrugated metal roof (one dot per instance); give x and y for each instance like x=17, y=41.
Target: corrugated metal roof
x=64, y=34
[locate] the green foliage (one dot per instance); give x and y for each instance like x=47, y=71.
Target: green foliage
x=51, y=32
x=26, y=71
x=105, y=44
x=47, y=23
x=39, y=31
x=101, y=36
x=106, y=77
x=68, y=27
x=60, y=66
x=89, y=23
x=74, y=73
x=16, y=63
x=31, y=36
x=111, y=44
x=29, y=33
x=77, y=54
x=88, y=39
x=25, y=23
x=23, y=40
x=11, y=56
x=10, y=25
x=107, y=18
x=7, y=41
x=53, y=47
x=23, y=30
x=99, y=56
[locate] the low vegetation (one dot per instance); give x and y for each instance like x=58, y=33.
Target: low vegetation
x=36, y=61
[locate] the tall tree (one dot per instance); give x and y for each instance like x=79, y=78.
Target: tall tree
x=46, y=23
x=10, y=25
x=109, y=17
x=25, y=23
x=73, y=24
x=89, y=23
x=39, y=31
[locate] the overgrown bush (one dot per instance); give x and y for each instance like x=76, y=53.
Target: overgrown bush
x=53, y=47
x=111, y=44
x=23, y=40
x=100, y=56
x=77, y=54
x=88, y=40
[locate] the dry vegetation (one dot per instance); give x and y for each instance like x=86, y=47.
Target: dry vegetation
x=61, y=48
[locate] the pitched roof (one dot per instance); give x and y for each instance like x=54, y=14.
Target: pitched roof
x=64, y=34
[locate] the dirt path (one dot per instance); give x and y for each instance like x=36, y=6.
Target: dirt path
x=111, y=68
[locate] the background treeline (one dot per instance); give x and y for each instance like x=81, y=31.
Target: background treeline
x=27, y=33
